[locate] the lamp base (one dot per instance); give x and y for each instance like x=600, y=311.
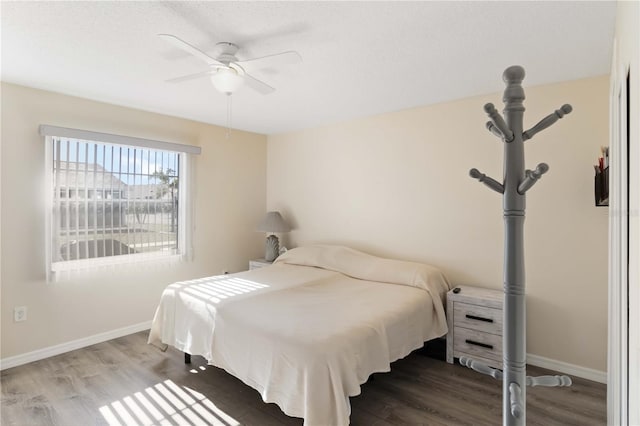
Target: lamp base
x=272, y=248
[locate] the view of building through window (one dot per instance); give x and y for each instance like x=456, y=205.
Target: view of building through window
x=112, y=200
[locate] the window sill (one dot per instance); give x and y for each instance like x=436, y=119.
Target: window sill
x=130, y=259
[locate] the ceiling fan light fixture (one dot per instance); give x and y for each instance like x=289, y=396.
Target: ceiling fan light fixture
x=227, y=80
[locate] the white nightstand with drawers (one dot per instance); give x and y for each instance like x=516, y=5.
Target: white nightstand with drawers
x=474, y=317
x=258, y=263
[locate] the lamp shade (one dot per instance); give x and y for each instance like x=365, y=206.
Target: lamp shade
x=273, y=222
x=227, y=80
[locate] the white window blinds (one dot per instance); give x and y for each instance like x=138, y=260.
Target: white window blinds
x=114, y=199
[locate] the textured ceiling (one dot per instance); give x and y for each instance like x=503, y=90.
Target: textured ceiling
x=359, y=58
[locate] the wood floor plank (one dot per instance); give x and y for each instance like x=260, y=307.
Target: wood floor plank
x=126, y=381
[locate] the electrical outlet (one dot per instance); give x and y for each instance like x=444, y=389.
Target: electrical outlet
x=20, y=313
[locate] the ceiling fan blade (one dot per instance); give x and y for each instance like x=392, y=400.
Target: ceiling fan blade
x=181, y=44
x=257, y=85
x=271, y=61
x=191, y=76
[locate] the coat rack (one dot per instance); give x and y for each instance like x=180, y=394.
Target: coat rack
x=517, y=181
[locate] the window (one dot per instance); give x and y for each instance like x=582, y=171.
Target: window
x=113, y=198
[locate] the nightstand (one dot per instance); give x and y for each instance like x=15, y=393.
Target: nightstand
x=474, y=317
x=258, y=263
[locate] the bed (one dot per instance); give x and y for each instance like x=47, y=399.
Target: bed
x=307, y=331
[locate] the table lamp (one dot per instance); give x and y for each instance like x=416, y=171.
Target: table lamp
x=272, y=222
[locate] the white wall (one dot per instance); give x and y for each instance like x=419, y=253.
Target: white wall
x=230, y=200
x=397, y=185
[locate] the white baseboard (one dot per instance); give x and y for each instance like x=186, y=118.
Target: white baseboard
x=566, y=368
x=14, y=361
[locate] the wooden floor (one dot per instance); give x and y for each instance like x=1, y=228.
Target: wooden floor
x=126, y=381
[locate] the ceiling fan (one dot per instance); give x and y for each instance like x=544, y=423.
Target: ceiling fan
x=227, y=73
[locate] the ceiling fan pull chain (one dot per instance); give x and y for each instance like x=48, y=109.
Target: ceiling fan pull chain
x=228, y=114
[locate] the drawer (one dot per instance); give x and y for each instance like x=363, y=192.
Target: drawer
x=475, y=317
x=472, y=342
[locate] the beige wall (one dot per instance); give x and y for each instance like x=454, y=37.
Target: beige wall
x=397, y=185
x=230, y=199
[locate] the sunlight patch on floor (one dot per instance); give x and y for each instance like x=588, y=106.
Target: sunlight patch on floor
x=165, y=403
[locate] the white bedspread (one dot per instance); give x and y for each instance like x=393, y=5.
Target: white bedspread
x=306, y=338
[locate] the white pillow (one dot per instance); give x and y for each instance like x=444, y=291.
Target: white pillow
x=364, y=266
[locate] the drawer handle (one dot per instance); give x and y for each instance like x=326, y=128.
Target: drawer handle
x=473, y=317
x=473, y=342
